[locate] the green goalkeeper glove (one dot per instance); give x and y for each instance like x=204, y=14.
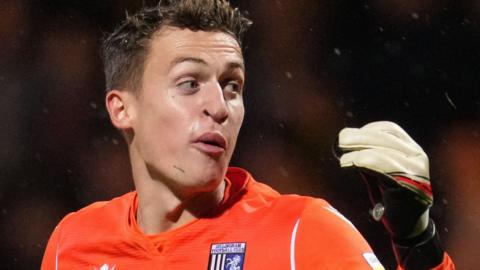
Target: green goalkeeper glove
x=396, y=171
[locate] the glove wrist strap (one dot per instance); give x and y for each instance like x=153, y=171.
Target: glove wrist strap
x=420, y=252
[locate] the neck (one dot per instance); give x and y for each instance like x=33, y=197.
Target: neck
x=161, y=209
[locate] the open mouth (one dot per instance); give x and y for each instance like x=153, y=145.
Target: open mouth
x=213, y=139
x=211, y=143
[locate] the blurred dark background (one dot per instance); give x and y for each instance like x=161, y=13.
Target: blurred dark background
x=313, y=67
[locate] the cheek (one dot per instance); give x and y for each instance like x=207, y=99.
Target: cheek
x=161, y=127
x=238, y=115
x=164, y=140
x=167, y=116
x=240, y=121
x=236, y=105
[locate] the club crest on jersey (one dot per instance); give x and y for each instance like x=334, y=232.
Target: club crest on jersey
x=227, y=256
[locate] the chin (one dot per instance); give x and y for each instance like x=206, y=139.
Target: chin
x=208, y=179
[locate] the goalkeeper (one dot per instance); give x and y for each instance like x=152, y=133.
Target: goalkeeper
x=175, y=75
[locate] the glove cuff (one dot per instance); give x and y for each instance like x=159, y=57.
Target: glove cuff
x=420, y=252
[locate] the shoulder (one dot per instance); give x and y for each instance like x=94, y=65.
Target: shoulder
x=323, y=236
x=319, y=219
x=319, y=211
x=311, y=212
x=247, y=190
x=98, y=214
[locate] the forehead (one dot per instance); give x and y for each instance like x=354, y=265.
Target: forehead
x=169, y=42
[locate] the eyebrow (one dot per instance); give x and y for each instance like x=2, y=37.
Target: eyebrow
x=230, y=66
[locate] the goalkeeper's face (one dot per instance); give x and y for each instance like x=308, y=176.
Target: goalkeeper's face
x=185, y=121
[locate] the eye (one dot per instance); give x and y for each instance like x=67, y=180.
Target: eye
x=232, y=87
x=189, y=86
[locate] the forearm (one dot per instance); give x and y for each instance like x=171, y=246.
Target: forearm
x=396, y=171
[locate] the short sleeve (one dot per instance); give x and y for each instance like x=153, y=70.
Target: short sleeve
x=49, y=261
x=325, y=239
x=50, y=257
x=447, y=264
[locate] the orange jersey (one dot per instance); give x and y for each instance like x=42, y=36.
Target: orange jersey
x=254, y=228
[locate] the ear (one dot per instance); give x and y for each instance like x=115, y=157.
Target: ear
x=119, y=107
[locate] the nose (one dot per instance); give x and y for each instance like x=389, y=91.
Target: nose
x=216, y=106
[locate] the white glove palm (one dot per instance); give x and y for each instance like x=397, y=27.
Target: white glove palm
x=396, y=165
x=386, y=148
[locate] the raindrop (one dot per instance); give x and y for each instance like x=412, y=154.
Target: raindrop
x=450, y=100
x=337, y=51
x=415, y=16
x=283, y=171
x=288, y=75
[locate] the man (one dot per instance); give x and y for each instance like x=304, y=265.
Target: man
x=175, y=75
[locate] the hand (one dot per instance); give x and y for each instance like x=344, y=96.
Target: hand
x=395, y=169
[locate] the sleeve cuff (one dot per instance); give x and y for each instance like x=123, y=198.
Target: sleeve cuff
x=421, y=252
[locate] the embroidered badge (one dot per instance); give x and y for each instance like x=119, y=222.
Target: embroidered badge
x=227, y=256
x=373, y=261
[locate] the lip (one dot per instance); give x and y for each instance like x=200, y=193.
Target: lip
x=211, y=143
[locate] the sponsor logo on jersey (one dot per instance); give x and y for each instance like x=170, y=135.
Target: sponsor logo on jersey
x=373, y=261
x=227, y=256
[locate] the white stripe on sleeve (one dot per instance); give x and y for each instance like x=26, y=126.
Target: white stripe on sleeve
x=292, y=245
